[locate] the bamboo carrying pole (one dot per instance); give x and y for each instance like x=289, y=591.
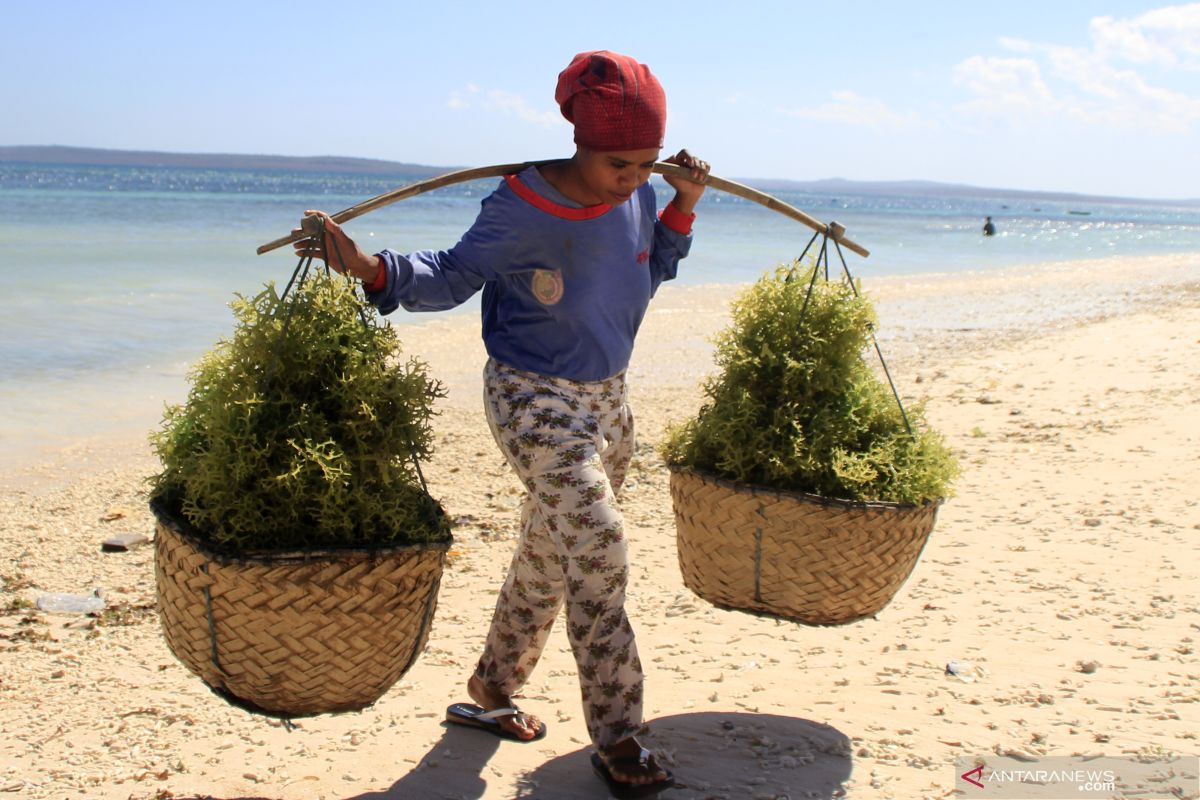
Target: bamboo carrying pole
x=833, y=229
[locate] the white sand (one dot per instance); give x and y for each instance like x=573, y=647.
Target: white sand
x=1073, y=403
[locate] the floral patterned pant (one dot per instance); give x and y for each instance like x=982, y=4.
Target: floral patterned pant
x=570, y=443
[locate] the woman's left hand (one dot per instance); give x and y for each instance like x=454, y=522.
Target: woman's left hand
x=687, y=190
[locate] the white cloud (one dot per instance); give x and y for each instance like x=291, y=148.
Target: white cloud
x=1016, y=45
x=1122, y=97
x=502, y=102
x=850, y=108
x=1168, y=36
x=1093, y=85
x=509, y=103
x=1005, y=85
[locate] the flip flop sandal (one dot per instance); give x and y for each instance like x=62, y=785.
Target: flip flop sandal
x=628, y=791
x=473, y=716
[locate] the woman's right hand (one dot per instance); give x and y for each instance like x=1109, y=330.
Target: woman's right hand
x=345, y=256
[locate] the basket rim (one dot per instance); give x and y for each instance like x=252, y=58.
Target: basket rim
x=184, y=529
x=836, y=502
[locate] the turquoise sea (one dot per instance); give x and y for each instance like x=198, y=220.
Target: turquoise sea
x=121, y=276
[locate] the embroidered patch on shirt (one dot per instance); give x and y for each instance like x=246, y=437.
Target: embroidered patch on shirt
x=547, y=286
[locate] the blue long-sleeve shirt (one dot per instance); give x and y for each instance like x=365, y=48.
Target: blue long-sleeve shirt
x=565, y=287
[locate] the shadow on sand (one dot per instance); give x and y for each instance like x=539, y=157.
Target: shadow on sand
x=711, y=753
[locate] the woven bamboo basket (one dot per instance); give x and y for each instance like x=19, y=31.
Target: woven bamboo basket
x=794, y=556
x=295, y=634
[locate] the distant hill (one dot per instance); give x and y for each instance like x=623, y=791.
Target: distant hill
x=57, y=154
x=836, y=186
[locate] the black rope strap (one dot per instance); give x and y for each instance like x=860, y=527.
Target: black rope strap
x=887, y=372
x=823, y=265
x=299, y=276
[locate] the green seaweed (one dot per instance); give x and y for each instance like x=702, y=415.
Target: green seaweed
x=302, y=436
x=795, y=405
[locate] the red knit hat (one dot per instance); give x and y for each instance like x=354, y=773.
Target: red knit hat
x=614, y=102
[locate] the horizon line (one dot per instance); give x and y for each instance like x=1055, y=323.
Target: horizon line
x=77, y=155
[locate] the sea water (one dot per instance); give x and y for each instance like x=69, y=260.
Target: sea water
x=120, y=277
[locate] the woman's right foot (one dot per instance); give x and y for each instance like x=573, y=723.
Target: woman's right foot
x=523, y=726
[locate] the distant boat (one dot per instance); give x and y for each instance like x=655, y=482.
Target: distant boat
x=1080, y=213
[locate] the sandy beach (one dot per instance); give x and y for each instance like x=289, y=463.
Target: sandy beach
x=1061, y=576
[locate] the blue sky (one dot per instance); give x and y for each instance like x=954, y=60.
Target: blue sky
x=1100, y=97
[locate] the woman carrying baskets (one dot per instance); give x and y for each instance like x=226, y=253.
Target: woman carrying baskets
x=568, y=255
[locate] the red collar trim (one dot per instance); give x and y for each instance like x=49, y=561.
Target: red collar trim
x=551, y=207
